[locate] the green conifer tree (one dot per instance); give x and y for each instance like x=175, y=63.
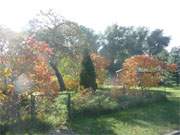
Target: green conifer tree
x=88, y=73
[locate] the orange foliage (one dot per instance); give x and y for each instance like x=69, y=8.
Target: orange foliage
x=99, y=61
x=101, y=64
x=39, y=53
x=36, y=55
x=142, y=70
x=32, y=61
x=41, y=72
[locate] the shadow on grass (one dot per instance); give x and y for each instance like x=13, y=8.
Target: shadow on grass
x=92, y=126
x=123, y=102
x=27, y=126
x=163, y=114
x=157, y=114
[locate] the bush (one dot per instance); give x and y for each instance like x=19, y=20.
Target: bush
x=128, y=98
x=102, y=102
x=93, y=104
x=54, y=111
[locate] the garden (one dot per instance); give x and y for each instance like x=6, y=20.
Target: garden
x=59, y=77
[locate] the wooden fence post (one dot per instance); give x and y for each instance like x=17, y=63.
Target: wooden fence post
x=69, y=105
x=32, y=107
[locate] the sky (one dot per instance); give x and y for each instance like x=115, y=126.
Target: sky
x=98, y=14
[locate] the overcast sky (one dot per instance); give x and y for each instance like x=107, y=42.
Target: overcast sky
x=98, y=14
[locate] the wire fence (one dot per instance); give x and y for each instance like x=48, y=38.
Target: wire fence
x=16, y=110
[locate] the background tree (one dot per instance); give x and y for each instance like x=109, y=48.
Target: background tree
x=156, y=42
x=175, y=58
x=70, y=70
x=89, y=39
x=121, y=43
x=163, y=55
x=88, y=74
x=101, y=64
x=8, y=41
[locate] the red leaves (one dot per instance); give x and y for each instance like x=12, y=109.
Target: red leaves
x=41, y=71
x=38, y=55
x=38, y=46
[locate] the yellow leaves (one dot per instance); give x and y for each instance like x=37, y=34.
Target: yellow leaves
x=71, y=83
x=2, y=96
x=10, y=87
x=7, y=72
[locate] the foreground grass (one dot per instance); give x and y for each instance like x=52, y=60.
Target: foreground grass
x=152, y=119
x=149, y=119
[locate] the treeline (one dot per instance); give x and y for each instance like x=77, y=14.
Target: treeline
x=69, y=39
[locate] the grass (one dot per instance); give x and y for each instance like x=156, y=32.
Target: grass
x=149, y=119
x=172, y=91
x=153, y=119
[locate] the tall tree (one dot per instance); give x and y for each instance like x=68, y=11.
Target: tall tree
x=163, y=55
x=59, y=33
x=121, y=43
x=89, y=39
x=88, y=73
x=156, y=42
x=143, y=71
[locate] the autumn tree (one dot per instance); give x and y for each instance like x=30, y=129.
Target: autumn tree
x=31, y=58
x=101, y=64
x=59, y=33
x=143, y=70
x=119, y=43
x=39, y=56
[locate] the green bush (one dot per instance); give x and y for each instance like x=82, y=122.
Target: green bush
x=93, y=104
x=54, y=112
x=102, y=102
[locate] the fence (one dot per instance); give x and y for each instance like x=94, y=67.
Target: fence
x=16, y=110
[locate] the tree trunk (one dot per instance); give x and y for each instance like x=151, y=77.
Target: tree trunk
x=59, y=77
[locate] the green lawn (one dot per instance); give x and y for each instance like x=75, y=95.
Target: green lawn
x=152, y=119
